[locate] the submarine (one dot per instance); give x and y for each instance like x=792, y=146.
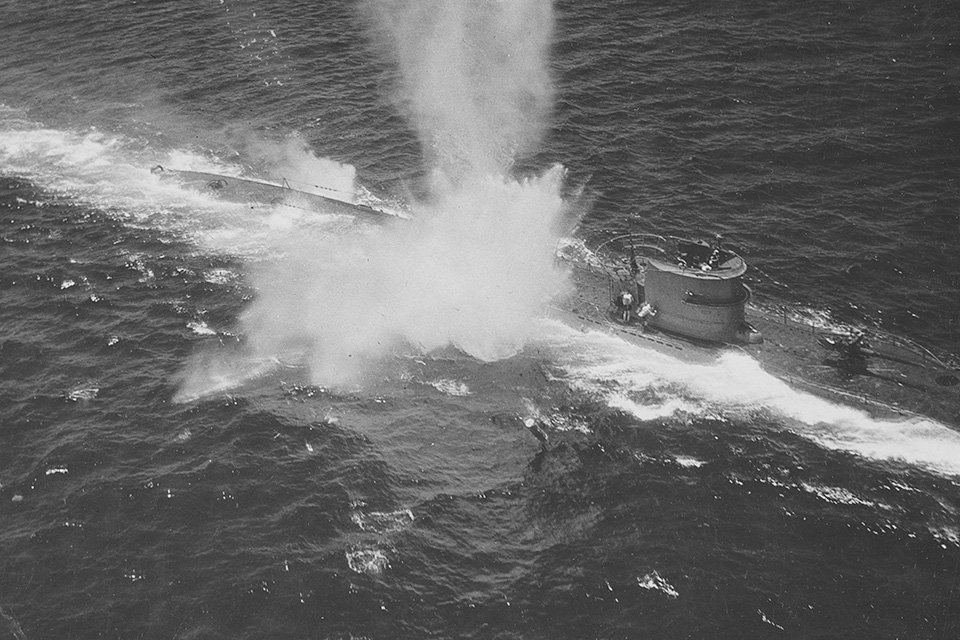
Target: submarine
x=688, y=298
x=263, y=193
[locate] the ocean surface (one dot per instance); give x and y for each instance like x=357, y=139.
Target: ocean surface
x=220, y=420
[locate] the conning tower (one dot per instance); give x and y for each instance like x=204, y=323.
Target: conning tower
x=700, y=294
x=691, y=289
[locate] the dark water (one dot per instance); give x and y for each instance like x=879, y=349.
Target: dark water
x=673, y=501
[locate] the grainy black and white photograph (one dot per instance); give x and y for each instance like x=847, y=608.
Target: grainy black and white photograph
x=479, y=319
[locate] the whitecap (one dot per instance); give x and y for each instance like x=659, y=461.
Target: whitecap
x=689, y=462
x=83, y=393
x=367, y=561
x=451, y=387
x=654, y=581
x=219, y=276
x=839, y=495
x=947, y=536
x=201, y=328
x=383, y=521
x=764, y=617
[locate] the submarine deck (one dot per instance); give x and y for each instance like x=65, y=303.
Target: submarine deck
x=894, y=378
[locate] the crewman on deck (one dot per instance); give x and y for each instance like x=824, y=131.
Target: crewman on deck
x=646, y=311
x=714, y=259
x=626, y=304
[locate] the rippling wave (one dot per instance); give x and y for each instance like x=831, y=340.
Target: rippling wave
x=670, y=499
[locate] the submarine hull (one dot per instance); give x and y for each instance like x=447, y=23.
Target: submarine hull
x=891, y=377
x=697, y=309
x=258, y=193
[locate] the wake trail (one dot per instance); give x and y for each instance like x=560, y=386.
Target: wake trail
x=650, y=385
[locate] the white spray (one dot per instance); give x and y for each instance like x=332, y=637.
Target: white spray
x=476, y=264
x=475, y=78
x=293, y=161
